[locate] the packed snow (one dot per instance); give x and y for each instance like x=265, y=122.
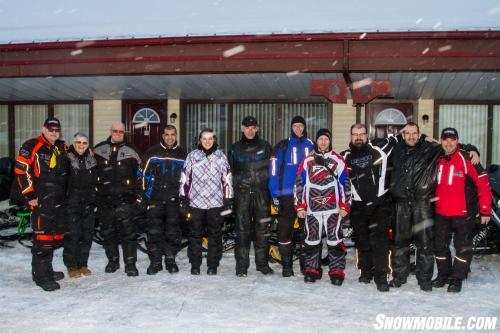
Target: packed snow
x=222, y=303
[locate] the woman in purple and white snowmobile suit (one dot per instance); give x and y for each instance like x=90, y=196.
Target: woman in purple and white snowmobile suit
x=206, y=191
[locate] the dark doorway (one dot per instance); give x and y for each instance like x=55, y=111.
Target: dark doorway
x=385, y=119
x=144, y=123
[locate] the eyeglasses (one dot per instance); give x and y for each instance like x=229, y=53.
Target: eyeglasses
x=81, y=143
x=54, y=130
x=118, y=131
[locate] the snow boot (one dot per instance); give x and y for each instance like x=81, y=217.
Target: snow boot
x=365, y=277
x=455, y=286
x=112, y=267
x=397, y=282
x=74, y=272
x=131, y=270
x=266, y=270
x=440, y=282
x=49, y=285
x=171, y=266
x=212, y=271
x=85, y=271
x=195, y=270
x=241, y=273
x=336, y=278
x=58, y=276
x=153, y=269
x=425, y=285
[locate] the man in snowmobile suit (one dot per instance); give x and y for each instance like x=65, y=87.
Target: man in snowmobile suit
x=249, y=161
x=42, y=173
x=162, y=170
x=323, y=198
x=371, y=205
x=413, y=184
x=462, y=192
x=118, y=188
x=284, y=164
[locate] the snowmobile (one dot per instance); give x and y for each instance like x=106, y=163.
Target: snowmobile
x=487, y=237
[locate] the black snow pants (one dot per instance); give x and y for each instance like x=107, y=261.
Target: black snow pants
x=164, y=230
x=116, y=219
x=286, y=220
x=47, y=222
x=413, y=222
x=80, y=218
x=209, y=222
x=460, y=227
x=252, y=223
x=371, y=230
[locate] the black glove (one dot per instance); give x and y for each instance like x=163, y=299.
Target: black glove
x=228, y=207
x=184, y=206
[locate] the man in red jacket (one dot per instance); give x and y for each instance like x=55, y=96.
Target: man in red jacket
x=460, y=186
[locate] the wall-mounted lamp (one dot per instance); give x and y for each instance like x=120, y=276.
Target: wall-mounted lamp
x=173, y=118
x=425, y=119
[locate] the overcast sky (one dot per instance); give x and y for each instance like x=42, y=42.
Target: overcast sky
x=28, y=20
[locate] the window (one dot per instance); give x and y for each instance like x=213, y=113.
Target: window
x=199, y=116
x=146, y=115
x=471, y=122
x=28, y=121
x=273, y=118
x=495, y=140
x=4, y=130
x=74, y=118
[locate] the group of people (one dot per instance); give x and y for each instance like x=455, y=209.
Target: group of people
x=425, y=192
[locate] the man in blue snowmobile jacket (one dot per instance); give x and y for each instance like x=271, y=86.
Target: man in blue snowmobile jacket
x=162, y=170
x=284, y=164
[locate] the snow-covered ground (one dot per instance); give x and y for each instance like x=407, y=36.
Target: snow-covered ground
x=222, y=303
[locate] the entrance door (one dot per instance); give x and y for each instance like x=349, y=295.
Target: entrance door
x=144, y=124
x=384, y=119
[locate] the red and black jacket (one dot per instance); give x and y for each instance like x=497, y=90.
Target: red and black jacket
x=39, y=163
x=461, y=188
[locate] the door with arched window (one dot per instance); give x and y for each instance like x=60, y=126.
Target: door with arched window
x=385, y=119
x=144, y=124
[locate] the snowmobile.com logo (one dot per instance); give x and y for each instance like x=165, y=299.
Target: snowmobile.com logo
x=389, y=323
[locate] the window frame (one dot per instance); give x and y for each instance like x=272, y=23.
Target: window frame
x=50, y=108
x=489, y=130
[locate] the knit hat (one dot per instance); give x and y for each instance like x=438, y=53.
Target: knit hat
x=298, y=119
x=323, y=132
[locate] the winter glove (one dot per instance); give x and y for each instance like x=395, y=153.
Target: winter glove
x=184, y=206
x=276, y=205
x=228, y=207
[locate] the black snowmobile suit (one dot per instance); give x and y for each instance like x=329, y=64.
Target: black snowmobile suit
x=80, y=207
x=117, y=188
x=371, y=207
x=249, y=161
x=162, y=169
x=42, y=173
x=413, y=183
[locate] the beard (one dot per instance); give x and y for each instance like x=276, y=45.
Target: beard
x=359, y=144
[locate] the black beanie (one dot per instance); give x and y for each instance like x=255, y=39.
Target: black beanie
x=298, y=119
x=321, y=132
x=324, y=131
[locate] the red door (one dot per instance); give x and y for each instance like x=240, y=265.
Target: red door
x=144, y=123
x=383, y=119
